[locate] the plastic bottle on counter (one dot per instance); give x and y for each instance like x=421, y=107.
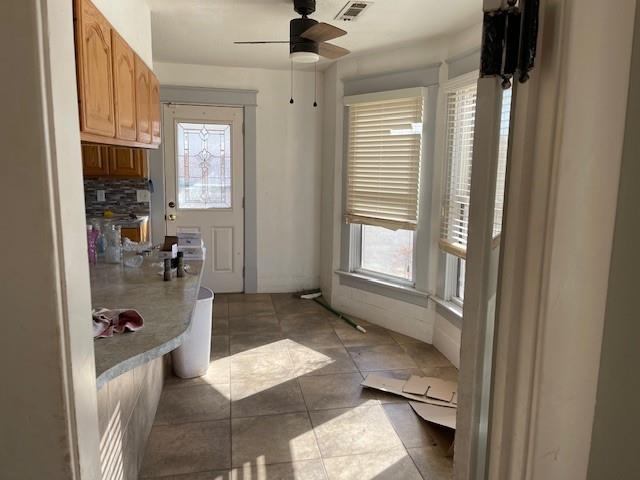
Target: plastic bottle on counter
x=113, y=249
x=100, y=246
x=91, y=245
x=180, y=269
x=167, y=269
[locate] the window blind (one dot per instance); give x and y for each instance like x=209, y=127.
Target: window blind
x=461, y=105
x=383, y=163
x=460, y=121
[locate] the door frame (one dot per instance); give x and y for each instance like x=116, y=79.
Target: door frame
x=543, y=388
x=217, y=97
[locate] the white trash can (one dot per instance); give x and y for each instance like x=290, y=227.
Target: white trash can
x=191, y=359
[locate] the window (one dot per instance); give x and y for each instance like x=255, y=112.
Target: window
x=460, y=123
x=387, y=252
x=454, y=277
x=203, y=165
x=383, y=182
x=459, y=126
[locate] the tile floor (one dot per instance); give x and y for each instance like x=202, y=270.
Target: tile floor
x=282, y=400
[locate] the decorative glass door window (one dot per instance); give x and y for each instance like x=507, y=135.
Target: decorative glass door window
x=203, y=165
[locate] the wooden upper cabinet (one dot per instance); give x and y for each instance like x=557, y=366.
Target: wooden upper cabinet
x=95, y=83
x=119, y=97
x=124, y=86
x=95, y=160
x=127, y=162
x=143, y=101
x=155, y=110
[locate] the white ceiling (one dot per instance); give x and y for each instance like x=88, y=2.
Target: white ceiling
x=203, y=31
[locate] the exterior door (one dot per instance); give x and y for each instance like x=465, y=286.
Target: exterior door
x=204, y=186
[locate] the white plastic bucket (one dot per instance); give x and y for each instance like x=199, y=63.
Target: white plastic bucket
x=191, y=359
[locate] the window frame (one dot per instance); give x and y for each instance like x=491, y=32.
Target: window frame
x=452, y=274
x=449, y=265
x=415, y=291
x=449, y=270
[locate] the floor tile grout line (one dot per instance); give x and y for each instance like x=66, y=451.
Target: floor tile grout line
x=192, y=422
x=231, y=462
x=231, y=469
x=373, y=453
x=297, y=378
x=313, y=428
x=401, y=447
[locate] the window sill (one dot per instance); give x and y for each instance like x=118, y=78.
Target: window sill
x=385, y=288
x=449, y=310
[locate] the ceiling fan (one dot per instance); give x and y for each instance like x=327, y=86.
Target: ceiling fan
x=308, y=37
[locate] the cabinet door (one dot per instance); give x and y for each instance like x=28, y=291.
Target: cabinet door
x=143, y=101
x=127, y=162
x=141, y=158
x=124, y=86
x=95, y=160
x=95, y=82
x=155, y=110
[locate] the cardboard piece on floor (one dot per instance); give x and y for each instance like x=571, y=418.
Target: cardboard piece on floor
x=390, y=385
x=432, y=387
x=395, y=386
x=436, y=414
x=442, y=389
x=416, y=385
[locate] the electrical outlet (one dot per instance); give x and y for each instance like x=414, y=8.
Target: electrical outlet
x=143, y=196
x=100, y=196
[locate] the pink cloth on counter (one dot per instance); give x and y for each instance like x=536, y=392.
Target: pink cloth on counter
x=106, y=321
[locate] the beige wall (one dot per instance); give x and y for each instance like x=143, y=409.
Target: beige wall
x=558, y=240
x=614, y=445
x=132, y=20
x=48, y=401
x=588, y=149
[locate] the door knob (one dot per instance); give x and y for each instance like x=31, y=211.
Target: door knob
x=172, y=217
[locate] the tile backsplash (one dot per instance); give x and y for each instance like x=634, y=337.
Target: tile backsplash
x=120, y=195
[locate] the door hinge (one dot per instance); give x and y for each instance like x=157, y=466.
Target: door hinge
x=509, y=37
x=243, y=269
x=243, y=202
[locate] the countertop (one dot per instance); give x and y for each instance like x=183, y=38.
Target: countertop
x=121, y=220
x=165, y=307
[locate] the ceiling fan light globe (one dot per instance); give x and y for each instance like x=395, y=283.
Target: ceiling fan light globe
x=304, y=57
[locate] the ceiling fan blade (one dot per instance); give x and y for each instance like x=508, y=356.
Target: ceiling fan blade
x=321, y=32
x=261, y=42
x=330, y=51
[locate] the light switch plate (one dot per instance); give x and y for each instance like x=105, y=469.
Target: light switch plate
x=143, y=196
x=100, y=195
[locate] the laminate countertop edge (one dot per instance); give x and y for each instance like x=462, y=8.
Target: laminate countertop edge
x=166, y=308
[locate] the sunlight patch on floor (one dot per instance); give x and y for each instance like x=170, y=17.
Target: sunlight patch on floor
x=314, y=360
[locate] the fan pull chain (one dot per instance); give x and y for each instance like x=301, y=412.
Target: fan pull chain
x=315, y=84
x=291, y=100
